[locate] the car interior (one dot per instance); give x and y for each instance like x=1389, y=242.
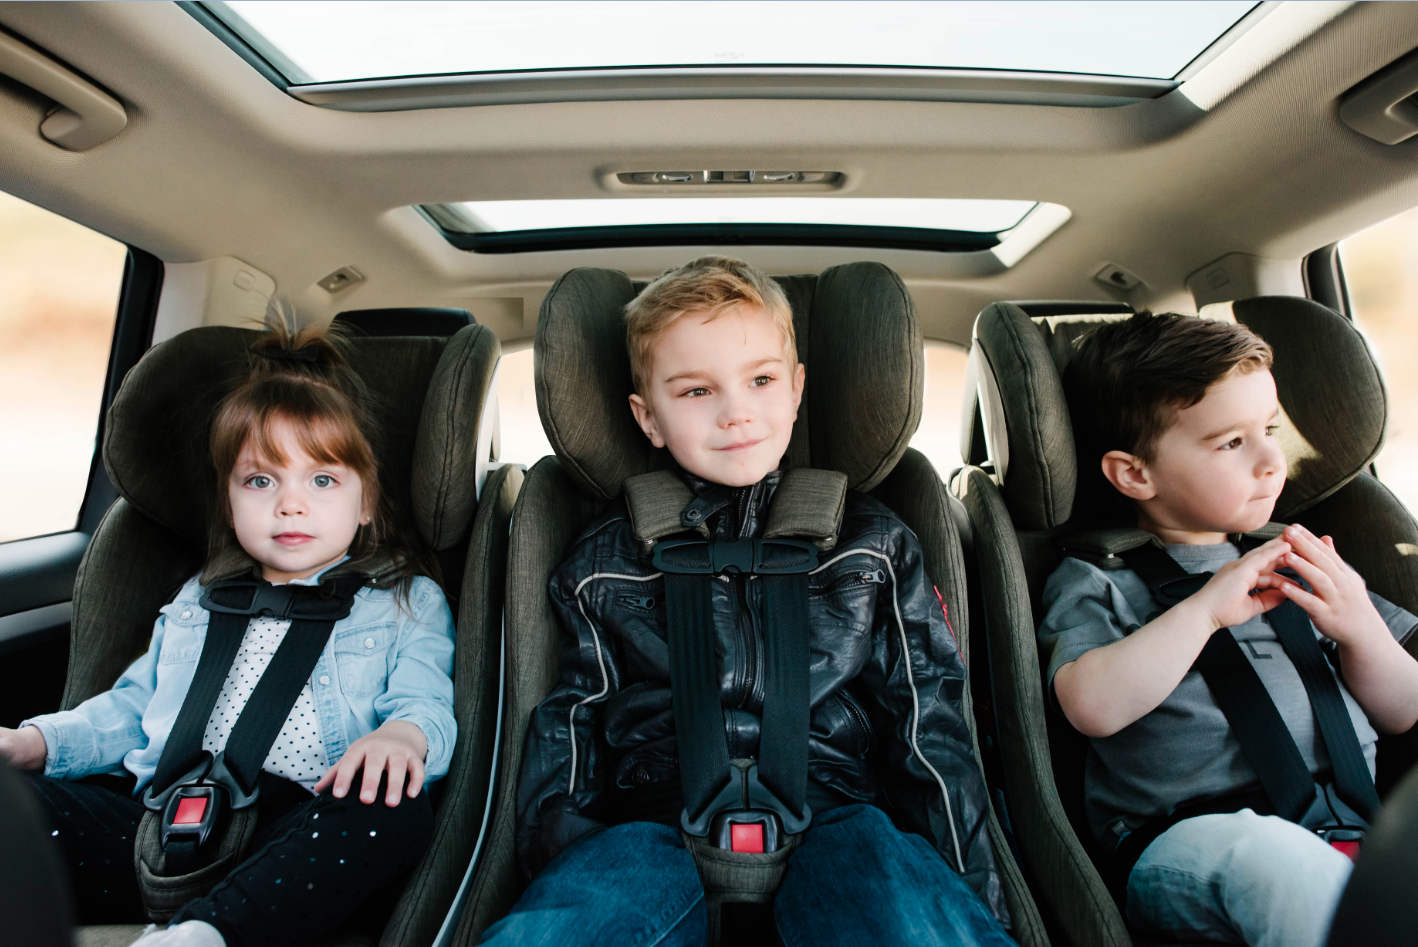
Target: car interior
x=949, y=193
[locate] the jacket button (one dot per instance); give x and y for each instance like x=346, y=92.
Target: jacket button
x=187, y=614
x=642, y=776
x=325, y=679
x=369, y=642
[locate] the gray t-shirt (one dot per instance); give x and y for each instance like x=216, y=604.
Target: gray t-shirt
x=1184, y=749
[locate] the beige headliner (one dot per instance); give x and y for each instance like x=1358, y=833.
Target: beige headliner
x=1247, y=157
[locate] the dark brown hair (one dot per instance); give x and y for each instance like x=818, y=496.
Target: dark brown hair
x=301, y=377
x=1128, y=379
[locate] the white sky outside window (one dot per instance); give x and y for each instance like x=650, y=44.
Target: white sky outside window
x=335, y=40
x=943, y=214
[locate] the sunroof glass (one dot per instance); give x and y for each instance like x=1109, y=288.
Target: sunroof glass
x=980, y=216
x=335, y=40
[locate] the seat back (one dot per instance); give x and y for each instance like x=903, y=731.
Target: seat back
x=1035, y=487
x=428, y=396
x=860, y=340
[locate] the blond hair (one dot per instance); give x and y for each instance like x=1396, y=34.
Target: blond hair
x=712, y=286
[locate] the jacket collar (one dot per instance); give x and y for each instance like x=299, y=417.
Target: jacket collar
x=729, y=512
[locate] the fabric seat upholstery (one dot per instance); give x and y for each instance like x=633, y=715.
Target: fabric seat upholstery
x=428, y=396
x=859, y=338
x=1334, y=407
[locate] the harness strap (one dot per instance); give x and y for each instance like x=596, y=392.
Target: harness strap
x=783, y=739
x=1242, y=697
x=699, y=717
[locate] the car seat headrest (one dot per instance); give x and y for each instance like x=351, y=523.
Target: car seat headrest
x=414, y=321
x=1333, y=402
x=428, y=397
x=857, y=333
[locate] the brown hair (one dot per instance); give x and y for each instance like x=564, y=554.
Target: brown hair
x=712, y=285
x=1128, y=379
x=302, y=377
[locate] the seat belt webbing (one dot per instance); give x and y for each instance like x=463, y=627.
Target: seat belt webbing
x=698, y=714
x=1248, y=708
x=184, y=744
x=783, y=739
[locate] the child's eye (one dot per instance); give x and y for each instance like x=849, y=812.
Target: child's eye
x=762, y=380
x=1270, y=429
x=695, y=393
x=1232, y=444
x=260, y=481
x=323, y=480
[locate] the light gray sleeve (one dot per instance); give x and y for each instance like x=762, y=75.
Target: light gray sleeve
x=1081, y=613
x=1400, y=621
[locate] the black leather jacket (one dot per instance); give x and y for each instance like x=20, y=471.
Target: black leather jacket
x=886, y=726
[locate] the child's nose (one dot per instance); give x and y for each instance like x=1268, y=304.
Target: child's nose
x=290, y=501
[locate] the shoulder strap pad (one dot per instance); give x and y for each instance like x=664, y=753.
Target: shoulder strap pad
x=655, y=500
x=1104, y=548
x=1266, y=533
x=808, y=503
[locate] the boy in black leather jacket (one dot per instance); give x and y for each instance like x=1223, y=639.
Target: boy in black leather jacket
x=600, y=796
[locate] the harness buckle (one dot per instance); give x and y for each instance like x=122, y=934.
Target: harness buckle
x=190, y=814
x=1343, y=840
x=741, y=556
x=748, y=831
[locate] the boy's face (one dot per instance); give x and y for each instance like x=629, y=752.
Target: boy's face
x=722, y=396
x=294, y=518
x=1217, y=469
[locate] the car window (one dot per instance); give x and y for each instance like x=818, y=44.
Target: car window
x=523, y=440
x=59, y=287
x=1381, y=270
x=938, y=437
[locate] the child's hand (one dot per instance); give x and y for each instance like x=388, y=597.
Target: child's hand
x=1338, y=601
x=398, y=747
x=23, y=749
x=1227, y=599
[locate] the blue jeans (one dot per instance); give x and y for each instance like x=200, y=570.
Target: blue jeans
x=1240, y=878
x=855, y=879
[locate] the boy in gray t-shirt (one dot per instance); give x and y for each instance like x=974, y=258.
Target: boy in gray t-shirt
x=1181, y=413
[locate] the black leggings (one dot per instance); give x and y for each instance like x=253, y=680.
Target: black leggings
x=314, y=860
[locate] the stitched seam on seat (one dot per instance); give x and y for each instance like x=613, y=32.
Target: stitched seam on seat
x=896, y=446
x=1033, y=430
x=461, y=369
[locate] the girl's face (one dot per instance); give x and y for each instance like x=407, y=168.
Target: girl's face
x=294, y=518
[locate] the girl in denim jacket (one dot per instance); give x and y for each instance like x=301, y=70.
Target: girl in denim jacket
x=299, y=502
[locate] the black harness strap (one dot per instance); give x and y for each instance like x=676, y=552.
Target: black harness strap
x=699, y=716
x=783, y=739
x=1242, y=697
x=313, y=612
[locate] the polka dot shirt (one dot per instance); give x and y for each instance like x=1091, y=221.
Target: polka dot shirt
x=299, y=751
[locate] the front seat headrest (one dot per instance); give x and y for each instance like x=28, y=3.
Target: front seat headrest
x=412, y=321
x=426, y=395
x=857, y=334
x=1333, y=401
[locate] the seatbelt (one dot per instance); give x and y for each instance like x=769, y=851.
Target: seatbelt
x=192, y=788
x=1242, y=697
x=721, y=793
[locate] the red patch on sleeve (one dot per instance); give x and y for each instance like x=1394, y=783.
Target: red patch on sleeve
x=945, y=613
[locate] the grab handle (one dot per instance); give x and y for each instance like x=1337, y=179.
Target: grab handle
x=87, y=116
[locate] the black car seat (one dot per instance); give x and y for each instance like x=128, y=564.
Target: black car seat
x=1020, y=494
x=429, y=396
x=859, y=338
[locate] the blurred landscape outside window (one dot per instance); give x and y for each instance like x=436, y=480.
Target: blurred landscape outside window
x=1381, y=270
x=59, y=286
x=524, y=441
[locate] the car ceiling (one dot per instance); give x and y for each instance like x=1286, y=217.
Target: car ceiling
x=1247, y=157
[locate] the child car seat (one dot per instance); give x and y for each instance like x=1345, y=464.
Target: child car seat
x=1334, y=407
x=428, y=396
x=858, y=336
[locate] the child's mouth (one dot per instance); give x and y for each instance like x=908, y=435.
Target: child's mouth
x=742, y=445
x=292, y=539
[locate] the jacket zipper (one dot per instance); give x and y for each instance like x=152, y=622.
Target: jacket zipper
x=856, y=714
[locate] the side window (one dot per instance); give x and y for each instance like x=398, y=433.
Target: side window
x=523, y=440
x=59, y=288
x=1381, y=270
x=938, y=437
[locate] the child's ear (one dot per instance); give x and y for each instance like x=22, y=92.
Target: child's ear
x=799, y=378
x=1129, y=475
x=646, y=419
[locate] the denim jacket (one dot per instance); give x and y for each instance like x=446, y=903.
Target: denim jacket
x=382, y=662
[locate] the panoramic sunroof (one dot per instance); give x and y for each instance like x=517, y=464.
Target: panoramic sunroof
x=937, y=214
x=333, y=40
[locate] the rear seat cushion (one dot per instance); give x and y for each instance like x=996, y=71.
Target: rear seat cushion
x=583, y=375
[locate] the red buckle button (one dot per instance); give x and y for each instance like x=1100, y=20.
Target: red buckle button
x=1350, y=849
x=746, y=837
x=191, y=810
